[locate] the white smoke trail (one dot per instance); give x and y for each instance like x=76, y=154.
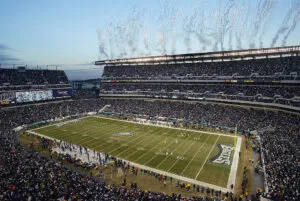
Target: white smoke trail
x=102, y=48
x=146, y=40
x=284, y=25
x=292, y=28
x=264, y=9
x=266, y=21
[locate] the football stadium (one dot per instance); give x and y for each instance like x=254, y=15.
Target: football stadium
x=185, y=101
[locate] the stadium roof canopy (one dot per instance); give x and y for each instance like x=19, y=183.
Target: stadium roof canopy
x=208, y=56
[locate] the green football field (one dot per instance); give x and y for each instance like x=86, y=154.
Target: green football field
x=182, y=152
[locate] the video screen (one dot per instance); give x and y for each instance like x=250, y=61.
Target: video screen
x=31, y=96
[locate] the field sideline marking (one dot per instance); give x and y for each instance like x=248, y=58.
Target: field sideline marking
x=205, y=132
x=207, y=156
x=234, y=165
x=195, y=155
x=175, y=176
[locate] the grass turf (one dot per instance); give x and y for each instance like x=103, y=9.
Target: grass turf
x=181, y=152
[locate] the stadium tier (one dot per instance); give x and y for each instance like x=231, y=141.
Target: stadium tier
x=270, y=67
x=32, y=77
x=23, y=85
x=205, y=89
x=259, y=78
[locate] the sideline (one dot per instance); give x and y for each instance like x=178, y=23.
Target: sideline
x=234, y=165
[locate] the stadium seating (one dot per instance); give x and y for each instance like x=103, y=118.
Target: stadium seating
x=32, y=77
x=228, y=89
x=273, y=67
x=264, y=80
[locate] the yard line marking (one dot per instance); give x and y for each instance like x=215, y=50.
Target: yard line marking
x=183, y=142
x=58, y=123
x=139, y=142
x=148, y=150
x=52, y=130
x=207, y=157
x=85, y=128
x=182, y=155
x=109, y=136
x=156, y=155
x=175, y=176
x=78, y=139
x=82, y=130
x=195, y=154
x=134, y=139
x=159, y=171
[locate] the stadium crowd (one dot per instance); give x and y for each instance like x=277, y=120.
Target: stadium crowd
x=32, y=77
x=229, y=89
x=281, y=147
x=27, y=175
x=263, y=67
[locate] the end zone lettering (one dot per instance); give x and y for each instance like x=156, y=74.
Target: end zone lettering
x=224, y=155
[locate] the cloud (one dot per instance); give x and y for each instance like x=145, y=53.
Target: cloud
x=6, y=55
x=7, y=58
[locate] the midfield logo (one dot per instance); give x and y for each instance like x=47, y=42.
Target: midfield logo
x=224, y=155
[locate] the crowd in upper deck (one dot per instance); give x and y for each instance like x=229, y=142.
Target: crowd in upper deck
x=262, y=67
x=32, y=77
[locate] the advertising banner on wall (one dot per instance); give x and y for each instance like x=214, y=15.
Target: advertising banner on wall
x=7, y=98
x=59, y=93
x=30, y=96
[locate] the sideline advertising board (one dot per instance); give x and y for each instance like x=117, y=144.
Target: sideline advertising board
x=7, y=97
x=60, y=93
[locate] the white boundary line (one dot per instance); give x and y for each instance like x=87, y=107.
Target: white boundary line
x=175, y=176
x=41, y=135
x=234, y=165
x=233, y=170
x=212, y=148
